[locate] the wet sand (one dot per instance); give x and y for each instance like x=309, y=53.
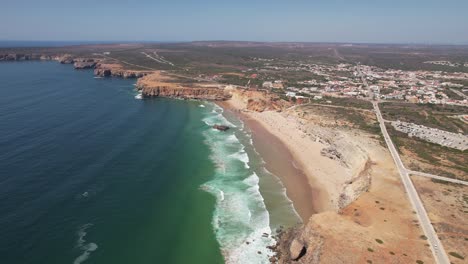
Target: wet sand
x=281, y=162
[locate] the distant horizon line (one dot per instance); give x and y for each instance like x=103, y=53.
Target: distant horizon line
x=79, y=42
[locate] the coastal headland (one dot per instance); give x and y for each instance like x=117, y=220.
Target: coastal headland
x=327, y=150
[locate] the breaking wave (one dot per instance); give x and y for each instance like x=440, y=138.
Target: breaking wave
x=240, y=221
x=86, y=248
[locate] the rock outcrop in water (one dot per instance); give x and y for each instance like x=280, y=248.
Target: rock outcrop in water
x=221, y=127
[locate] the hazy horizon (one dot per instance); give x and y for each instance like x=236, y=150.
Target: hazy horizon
x=361, y=21
x=38, y=43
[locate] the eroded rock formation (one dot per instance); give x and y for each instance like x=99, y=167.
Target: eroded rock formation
x=159, y=85
x=185, y=93
x=258, y=101
x=116, y=70
x=24, y=57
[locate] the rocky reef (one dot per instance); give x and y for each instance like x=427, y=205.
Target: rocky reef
x=221, y=127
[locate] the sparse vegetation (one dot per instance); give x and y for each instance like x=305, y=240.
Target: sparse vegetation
x=436, y=116
x=379, y=241
x=456, y=255
x=370, y=250
x=434, y=158
x=347, y=102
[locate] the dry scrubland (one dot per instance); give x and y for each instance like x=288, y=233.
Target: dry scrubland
x=363, y=214
x=447, y=206
x=424, y=156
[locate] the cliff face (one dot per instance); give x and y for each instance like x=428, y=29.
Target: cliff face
x=115, y=70
x=158, y=84
x=257, y=101
x=84, y=63
x=25, y=57
x=78, y=63
x=185, y=93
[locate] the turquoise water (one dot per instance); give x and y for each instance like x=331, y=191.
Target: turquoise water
x=89, y=174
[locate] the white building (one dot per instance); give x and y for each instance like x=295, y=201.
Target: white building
x=267, y=85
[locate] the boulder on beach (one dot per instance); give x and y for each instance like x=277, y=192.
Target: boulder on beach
x=297, y=250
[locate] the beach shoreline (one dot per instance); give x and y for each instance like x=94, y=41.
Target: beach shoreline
x=280, y=160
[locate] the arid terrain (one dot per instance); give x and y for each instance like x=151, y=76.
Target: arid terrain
x=447, y=205
x=315, y=100
x=362, y=212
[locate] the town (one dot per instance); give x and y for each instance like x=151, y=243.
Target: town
x=424, y=87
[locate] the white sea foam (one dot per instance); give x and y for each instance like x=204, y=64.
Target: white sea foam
x=217, y=118
x=242, y=156
x=139, y=96
x=232, y=139
x=240, y=220
x=87, y=248
x=201, y=106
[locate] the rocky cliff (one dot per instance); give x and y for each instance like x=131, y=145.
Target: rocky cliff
x=185, y=93
x=84, y=63
x=158, y=84
x=26, y=57
x=100, y=69
x=116, y=70
x=256, y=100
x=78, y=63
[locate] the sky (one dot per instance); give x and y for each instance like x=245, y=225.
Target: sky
x=359, y=21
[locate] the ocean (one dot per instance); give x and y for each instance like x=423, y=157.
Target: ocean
x=91, y=174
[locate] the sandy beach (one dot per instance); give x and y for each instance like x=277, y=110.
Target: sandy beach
x=284, y=158
x=346, y=203
x=281, y=162
x=313, y=181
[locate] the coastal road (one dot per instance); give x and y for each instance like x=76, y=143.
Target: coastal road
x=436, y=246
x=428, y=175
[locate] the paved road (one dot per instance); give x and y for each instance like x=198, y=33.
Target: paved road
x=423, y=174
x=364, y=81
x=459, y=93
x=435, y=244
